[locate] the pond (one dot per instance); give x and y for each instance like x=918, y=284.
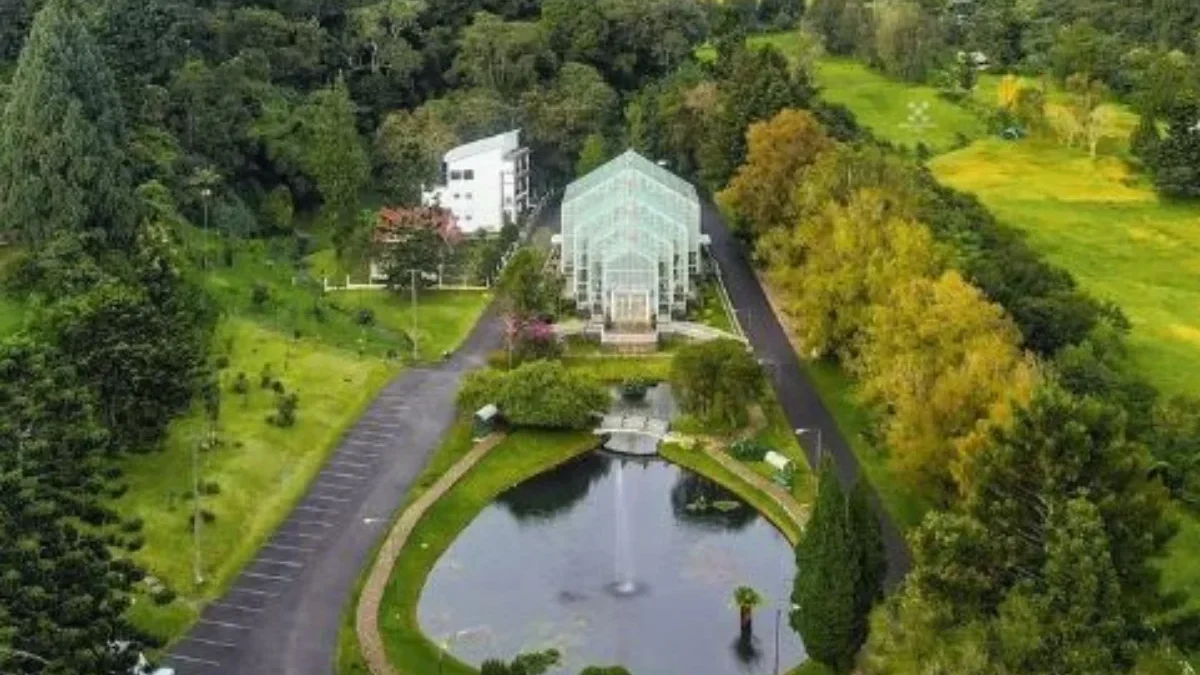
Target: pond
x=614, y=561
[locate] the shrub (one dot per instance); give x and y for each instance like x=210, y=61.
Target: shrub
x=240, y=384
x=135, y=543
x=210, y=488
x=265, y=378
x=164, y=596
x=132, y=525
x=716, y=381
x=277, y=387
x=259, y=294
x=221, y=362
x=285, y=411
x=365, y=317
x=749, y=450
x=540, y=394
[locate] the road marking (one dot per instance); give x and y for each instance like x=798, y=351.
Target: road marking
x=352, y=465
x=355, y=442
x=335, y=486
x=271, y=561
x=274, y=577
x=215, y=643
x=254, y=591
x=336, y=500
x=301, y=534
x=192, y=659
x=240, y=608
x=346, y=475
x=285, y=547
x=381, y=425
x=315, y=509
x=223, y=624
x=316, y=523
x=364, y=455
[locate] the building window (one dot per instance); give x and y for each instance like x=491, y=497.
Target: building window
x=455, y=175
x=469, y=174
x=468, y=195
x=456, y=195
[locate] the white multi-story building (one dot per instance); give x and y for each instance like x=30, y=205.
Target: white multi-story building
x=484, y=182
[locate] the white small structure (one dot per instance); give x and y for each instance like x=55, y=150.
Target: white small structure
x=484, y=182
x=776, y=460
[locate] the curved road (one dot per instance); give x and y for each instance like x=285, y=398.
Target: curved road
x=801, y=404
x=282, y=614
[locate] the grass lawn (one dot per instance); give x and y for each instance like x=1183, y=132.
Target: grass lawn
x=1099, y=221
x=291, y=300
x=522, y=455
x=261, y=470
x=882, y=104
x=615, y=368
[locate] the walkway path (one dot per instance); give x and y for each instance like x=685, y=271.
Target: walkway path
x=801, y=403
x=366, y=620
x=282, y=614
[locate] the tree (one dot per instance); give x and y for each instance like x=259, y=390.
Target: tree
x=944, y=363
x=561, y=117
x=870, y=556
x=779, y=150
x=840, y=263
x=63, y=168
x=594, y=154
x=1177, y=162
x=540, y=394
x=826, y=587
x=716, y=381
x=528, y=287
x=411, y=240
x=906, y=42
x=746, y=599
x=334, y=157
x=508, y=57
x=408, y=152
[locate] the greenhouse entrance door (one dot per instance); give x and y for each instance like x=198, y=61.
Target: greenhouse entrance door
x=630, y=311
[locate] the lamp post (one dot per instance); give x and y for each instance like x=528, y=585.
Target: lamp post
x=205, y=193
x=820, y=446
x=412, y=287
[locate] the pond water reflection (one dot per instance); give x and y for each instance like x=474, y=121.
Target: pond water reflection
x=540, y=568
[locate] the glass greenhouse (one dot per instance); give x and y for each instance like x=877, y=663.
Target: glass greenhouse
x=630, y=243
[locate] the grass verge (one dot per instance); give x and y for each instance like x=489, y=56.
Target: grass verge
x=522, y=455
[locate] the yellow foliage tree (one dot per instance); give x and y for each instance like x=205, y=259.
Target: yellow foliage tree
x=1064, y=123
x=835, y=265
x=1007, y=92
x=759, y=197
x=945, y=363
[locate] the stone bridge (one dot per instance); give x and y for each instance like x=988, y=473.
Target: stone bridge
x=632, y=434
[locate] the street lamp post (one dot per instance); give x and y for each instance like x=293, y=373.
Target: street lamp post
x=205, y=193
x=412, y=287
x=820, y=445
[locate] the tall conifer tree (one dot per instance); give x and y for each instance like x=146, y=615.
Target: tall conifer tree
x=63, y=167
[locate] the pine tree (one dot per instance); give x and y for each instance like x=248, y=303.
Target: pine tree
x=867, y=538
x=63, y=167
x=335, y=158
x=826, y=588
x=1177, y=160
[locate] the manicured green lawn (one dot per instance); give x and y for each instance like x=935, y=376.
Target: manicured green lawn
x=1110, y=230
x=522, y=455
x=836, y=389
x=294, y=302
x=261, y=470
x=883, y=104
x=616, y=368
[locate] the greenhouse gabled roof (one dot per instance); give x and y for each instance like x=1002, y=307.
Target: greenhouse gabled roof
x=630, y=161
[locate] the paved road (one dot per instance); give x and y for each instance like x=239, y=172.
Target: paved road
x=801, y=404
x=282, y=614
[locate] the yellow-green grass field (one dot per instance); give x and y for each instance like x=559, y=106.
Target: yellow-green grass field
x=1109, y=229
x=261, y=470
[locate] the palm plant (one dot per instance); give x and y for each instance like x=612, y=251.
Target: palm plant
x=746, y=599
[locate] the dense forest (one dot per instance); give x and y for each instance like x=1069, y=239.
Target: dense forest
x=1002, y=389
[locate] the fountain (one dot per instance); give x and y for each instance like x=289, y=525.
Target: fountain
x=625, y=585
